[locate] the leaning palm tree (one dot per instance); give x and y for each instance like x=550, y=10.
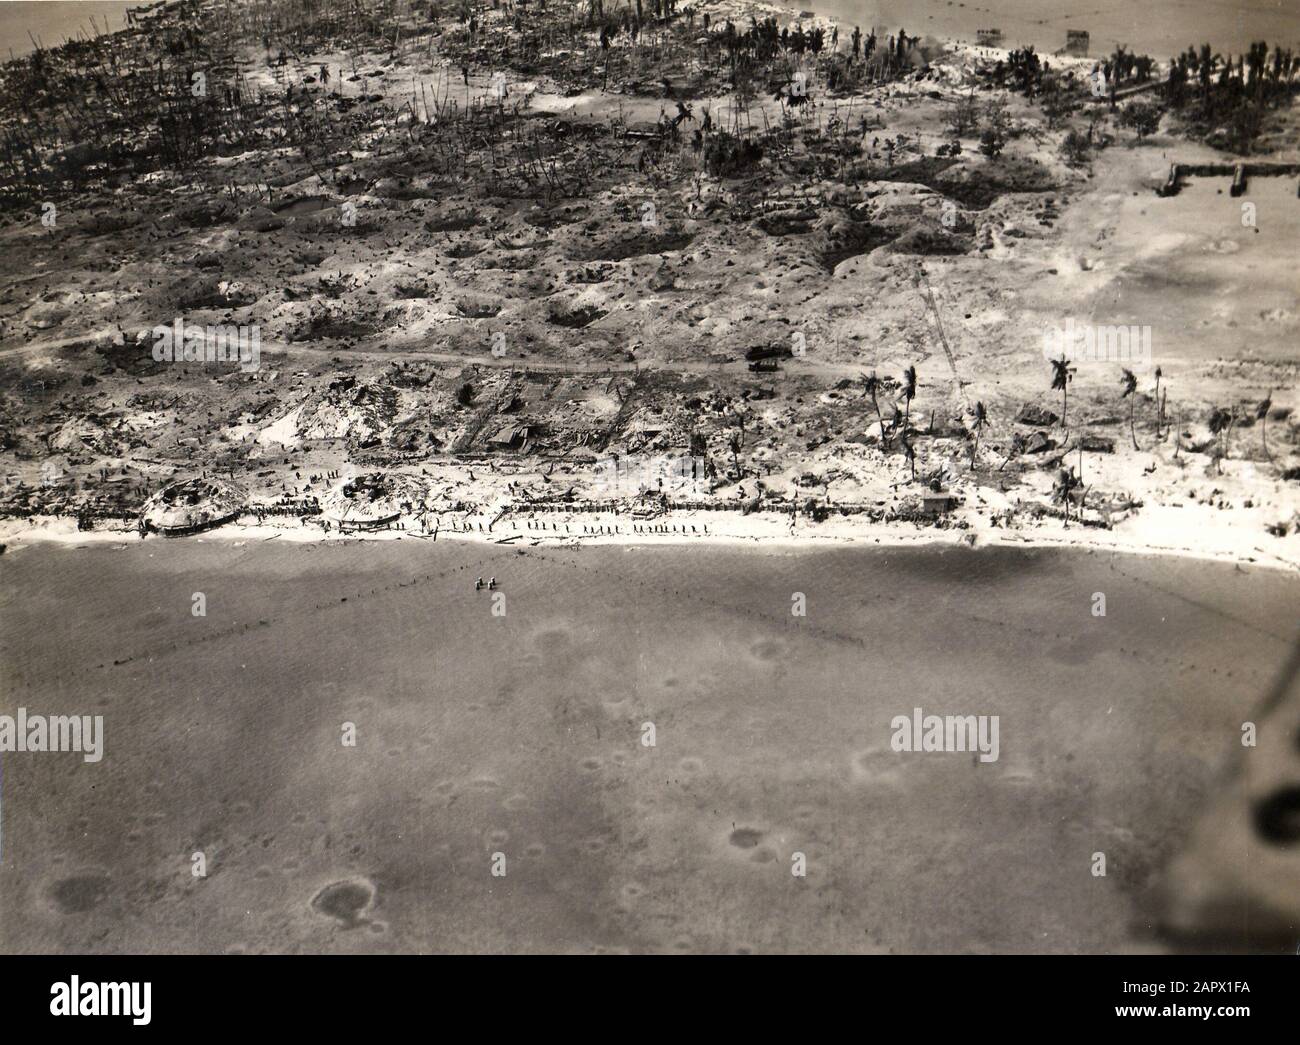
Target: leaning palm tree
x=1062, y=375
x=981, y=419
x=871, y=384
x=896, y=422
x=1130, y=384
x=909, y=393
x=909, y=451
x=1261, y=415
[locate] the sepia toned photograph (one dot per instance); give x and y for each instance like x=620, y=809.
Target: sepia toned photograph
x=649, y=477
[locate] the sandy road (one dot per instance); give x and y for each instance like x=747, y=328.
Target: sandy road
x=306, y=351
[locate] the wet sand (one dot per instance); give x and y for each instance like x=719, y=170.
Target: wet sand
x=521, y=735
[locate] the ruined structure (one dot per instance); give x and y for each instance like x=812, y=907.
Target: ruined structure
x=373, y=501
x=1076, y=43
x=192, y=506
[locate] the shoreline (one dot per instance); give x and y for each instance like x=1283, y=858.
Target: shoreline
x=757, y=531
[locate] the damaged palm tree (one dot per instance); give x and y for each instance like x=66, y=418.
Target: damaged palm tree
x=909, y=393
x=1221, y=422
x=1062, y=375
x=871, y=386
x=1160, y=409
x=1129, y=384
x=1261, y=415
x=977, y=426
x=1063, y=491
x=909, y=451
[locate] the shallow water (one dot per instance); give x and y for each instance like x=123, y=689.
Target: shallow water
x=521, y=735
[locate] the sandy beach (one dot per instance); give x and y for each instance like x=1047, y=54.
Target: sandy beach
x=1175, y=532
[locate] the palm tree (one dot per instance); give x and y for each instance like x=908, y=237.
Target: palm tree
x=1083, y=491
x=1130, y=384
x=896, y=422
x=871, y=384
x=1063, y=488
x=909, y=392
x=1062, y=375
x=981, y=419
x=1261, y=415
x=1221, y=426
x=909, y=451
x=1160, y=413
x=1205, y=69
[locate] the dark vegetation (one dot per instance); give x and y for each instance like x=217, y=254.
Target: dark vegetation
x=169, y=91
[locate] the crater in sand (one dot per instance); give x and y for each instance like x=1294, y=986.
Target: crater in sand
x=1277, y=817
x=345, y=901
x=79, y=893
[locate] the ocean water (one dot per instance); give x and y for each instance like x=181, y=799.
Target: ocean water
x=1161, y=28
x=52, y=22
x=1158, y=27
x=522, y=735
